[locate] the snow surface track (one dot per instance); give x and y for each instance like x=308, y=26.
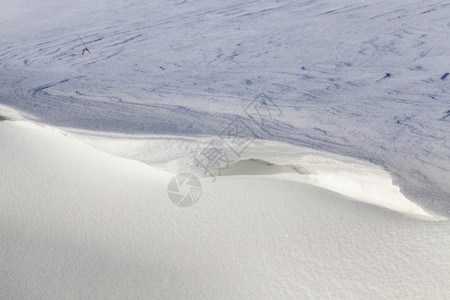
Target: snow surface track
x=363, y=79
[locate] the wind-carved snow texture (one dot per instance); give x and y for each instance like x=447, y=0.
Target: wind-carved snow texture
x=365, y=79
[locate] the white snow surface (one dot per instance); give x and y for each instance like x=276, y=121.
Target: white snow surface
x=341, y=191
x=78, y=223
x=365, y=79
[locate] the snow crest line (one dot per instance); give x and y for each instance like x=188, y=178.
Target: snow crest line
x=359, y=180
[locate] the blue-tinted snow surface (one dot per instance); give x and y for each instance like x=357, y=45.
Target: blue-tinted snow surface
x=366, y=79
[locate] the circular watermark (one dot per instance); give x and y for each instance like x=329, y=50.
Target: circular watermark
x=184, y=189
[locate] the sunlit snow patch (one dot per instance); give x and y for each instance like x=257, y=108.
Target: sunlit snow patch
x=8, y=114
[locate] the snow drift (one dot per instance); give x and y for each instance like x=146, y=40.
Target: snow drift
x=80, y=223
x=85, y=168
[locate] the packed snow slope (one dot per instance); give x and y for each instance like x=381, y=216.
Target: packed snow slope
x=367, y=79
x=78, y=223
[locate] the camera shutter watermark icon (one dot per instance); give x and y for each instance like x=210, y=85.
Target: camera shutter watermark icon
x=184, y=189
x=262, y=109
